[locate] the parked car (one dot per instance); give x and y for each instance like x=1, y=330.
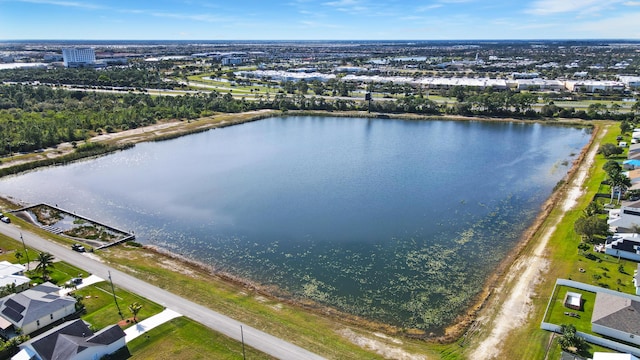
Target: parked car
x=78, y=248
x=5, y=219
x=75, y=281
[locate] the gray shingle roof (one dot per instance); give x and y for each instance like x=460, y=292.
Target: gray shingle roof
x=617, y=312
x=71, y=338
x=33, y=304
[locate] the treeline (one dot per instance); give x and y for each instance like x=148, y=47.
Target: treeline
x=34, y=117
x=139, y=76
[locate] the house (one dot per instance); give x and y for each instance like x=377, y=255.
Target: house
x=613, y=356
x=634, y=176
x=634, y=149
x=617, y=317
x=13, y=274
x=626, y=246
x=631, y=164
x=625, y=218
x=73, y=340
x=573, y=300
x=33, y=309
x=636, y=279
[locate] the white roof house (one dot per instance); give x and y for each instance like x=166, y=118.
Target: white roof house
x=613, y=356
x=13, y=274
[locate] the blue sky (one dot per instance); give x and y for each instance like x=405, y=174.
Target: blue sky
x=319, y=20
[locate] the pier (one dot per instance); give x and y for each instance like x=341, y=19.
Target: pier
x=126, y=236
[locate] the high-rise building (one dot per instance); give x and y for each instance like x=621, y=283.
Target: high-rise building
x=78, y=57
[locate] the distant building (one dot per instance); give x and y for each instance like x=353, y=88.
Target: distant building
x=226, y=61
x=78, y=57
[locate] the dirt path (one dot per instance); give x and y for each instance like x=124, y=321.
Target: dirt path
x=525, y=273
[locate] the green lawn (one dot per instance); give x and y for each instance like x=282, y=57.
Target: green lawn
x=556, y=313
x=182, y=338
x=101, y=307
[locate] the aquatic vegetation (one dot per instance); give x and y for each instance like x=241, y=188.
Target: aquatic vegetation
x=388, y=220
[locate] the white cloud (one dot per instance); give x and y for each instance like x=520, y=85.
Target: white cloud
x=64, y=3
x=428, y=7
x=551, y=7
x=624, y=26
x=192, y=17
x=631, y=3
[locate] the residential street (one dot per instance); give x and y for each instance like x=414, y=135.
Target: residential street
x=215, y=321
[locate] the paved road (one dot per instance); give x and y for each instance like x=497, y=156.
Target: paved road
x=257, y=339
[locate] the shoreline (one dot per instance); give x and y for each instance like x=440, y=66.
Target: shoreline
x=463, y=322
x=468, y=317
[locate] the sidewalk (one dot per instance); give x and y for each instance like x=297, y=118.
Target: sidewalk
x=148, y=324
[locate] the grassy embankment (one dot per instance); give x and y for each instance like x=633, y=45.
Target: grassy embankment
x=565, y=262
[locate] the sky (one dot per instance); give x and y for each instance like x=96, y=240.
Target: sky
x=318, y=20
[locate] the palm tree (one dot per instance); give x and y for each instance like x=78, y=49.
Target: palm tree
x=135, y=309
x=18, y=256
x=619, y=182
x=570, y=340
x=45, y=261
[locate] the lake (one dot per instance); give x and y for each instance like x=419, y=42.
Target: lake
x=397, y=221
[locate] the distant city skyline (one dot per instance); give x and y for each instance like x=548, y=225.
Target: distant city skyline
x=318, y=20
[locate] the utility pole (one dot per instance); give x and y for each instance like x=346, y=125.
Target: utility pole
x=26, y=253
x=113, y=291
x=242, y=337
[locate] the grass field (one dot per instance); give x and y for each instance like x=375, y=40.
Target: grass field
x=182, y=338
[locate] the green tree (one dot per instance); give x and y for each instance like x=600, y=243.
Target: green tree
x=18, y=256
x=609, y=150
x=591, y=226
x=570, y=341
x=135, y=308
x=594, y=208
x=611, y=167
x=45, y=262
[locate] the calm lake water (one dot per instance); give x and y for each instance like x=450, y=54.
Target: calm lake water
x=399, y=221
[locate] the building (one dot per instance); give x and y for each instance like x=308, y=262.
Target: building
x=617, y=317
x=13, y=274
x=613, y=356
x=73, y=340
x=590, y=86
x=78, y=57
x=624, y=219
x=626, y=246
x=537, y=83
x=33, y=309
x=636, y=279
x=573, y=300
x=232, y=61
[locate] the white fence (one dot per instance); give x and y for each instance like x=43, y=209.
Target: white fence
x=588, y=337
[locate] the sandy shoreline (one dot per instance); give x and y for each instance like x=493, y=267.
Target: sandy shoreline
x=515, y=310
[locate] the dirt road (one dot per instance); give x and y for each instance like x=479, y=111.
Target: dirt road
x=525, y=273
